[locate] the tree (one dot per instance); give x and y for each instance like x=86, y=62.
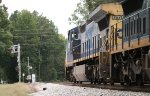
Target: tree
x=80, y=14
x=40, y=41
x=53, y=74
x=84, y=7
x=5, y=43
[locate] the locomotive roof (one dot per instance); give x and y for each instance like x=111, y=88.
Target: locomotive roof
x=101, y=11
x=73, y=30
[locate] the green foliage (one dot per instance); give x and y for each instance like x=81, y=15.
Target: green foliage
x=80, y=14
x=53, y=74
x=5, y=43
x=40, y=42
x=92, y=4
x=84, y=7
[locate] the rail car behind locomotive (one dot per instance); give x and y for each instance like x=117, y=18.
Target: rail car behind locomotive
x=88, y=51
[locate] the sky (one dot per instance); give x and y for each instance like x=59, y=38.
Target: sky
x=56, y=10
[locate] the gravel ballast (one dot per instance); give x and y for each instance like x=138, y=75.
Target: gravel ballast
x=51, y=89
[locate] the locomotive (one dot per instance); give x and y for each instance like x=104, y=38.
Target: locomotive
x=113, y=46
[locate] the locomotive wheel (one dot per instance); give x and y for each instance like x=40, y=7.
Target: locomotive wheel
x=91, y=82
x=140, y=83
x=80, y=82
x=129, y=82
x=104, y=82
x=99, y=82
x=111, y=83
x=95, y=82
x=121, y=83
x=74, y=80
x=139, y=80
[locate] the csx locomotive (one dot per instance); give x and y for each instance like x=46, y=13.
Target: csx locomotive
x=113, y=46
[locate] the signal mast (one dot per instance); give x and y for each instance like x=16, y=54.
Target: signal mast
x=16, y=49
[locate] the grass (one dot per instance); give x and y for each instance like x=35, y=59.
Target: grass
x=17, y=89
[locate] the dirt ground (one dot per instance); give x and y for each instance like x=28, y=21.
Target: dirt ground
x=17, y=89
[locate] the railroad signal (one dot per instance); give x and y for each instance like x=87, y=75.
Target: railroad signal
x=16, y=49
x=30, y=67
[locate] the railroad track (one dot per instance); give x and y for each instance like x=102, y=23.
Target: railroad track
x=145, y=88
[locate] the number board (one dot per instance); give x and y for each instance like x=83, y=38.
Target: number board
x=117, y=17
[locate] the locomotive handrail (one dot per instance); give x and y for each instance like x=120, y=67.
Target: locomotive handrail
x=76, y=46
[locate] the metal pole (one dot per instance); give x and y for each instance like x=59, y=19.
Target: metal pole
x=23, y=78
x=39, y=64
x=19, y=65
x=28, y=67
